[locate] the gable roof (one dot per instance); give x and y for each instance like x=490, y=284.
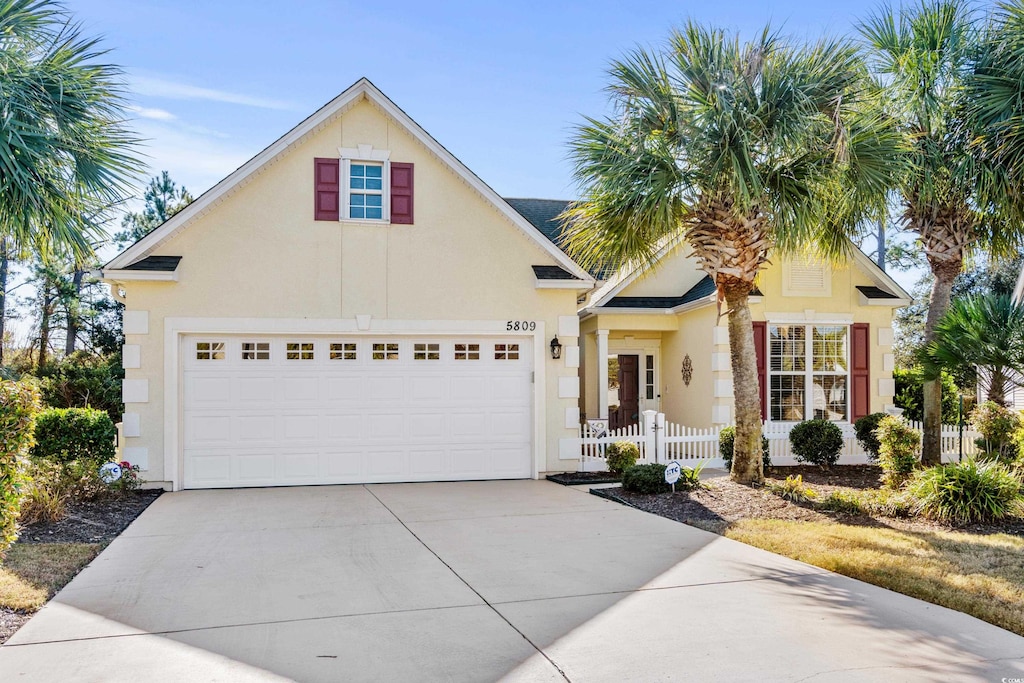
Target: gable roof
x=701, y=290
x=360, y=90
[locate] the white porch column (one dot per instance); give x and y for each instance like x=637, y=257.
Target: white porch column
x=602, y=374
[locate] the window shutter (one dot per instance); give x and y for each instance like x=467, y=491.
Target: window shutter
x=761, y=349
x=401, y=193
x=860, y=371
x=326, y=189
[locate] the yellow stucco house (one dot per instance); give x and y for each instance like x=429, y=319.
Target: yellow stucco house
x=354, y=305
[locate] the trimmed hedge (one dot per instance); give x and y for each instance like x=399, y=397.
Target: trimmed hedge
x=649, y=478
x=67, y=434
x=818, y=442
x=865, y=428
x=621, y=455
x=899, y=450
x=19, y=404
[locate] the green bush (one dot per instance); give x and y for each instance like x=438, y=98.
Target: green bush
x=818, y=442
x=845, y=502
x=66, y=434
x=910, y=395
x=83, y=380
x=727, y=441
x=898, y=450
x=689, y=478
x=965, y=492
x=999, y=427
x=621, y=455
x=793, y=489
x=19, y=404
x=865, y=428
x=649, y=478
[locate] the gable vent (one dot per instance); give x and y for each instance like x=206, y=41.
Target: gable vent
x=807, y=277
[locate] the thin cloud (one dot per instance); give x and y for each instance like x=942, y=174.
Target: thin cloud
x=152, y=113
x=160, y=87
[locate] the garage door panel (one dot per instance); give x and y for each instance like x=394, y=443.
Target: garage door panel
x=278, y=421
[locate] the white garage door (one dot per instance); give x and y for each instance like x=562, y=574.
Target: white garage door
x=274, y=411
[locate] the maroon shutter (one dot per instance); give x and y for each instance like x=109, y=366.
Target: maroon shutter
x=761, y=349
x=326, y=188
x=401, y=193
x=860, y=371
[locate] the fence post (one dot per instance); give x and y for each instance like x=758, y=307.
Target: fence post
x=661, y=443
x=651, y=434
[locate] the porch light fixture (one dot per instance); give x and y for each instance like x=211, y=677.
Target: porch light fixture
x=556, y=348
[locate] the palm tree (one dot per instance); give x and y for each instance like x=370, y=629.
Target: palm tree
x=923, y=56
x=741, y=150
x=984, y=332
x=65, y=152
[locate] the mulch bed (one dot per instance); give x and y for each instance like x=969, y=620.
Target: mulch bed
x=576, y=478
x=98, y=521
x=724, y=501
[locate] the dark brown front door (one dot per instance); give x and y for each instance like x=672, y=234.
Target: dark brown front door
x=629, y=390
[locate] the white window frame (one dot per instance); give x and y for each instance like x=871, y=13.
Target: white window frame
x=301, y=351
x=365, y=154
x=808, y=372
x=256, y=350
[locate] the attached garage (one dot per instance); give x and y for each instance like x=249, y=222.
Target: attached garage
x=287, y=410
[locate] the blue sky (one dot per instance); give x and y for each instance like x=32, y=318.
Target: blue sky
x=500, y=84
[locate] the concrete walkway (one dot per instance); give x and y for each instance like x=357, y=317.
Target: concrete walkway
x=522, y=580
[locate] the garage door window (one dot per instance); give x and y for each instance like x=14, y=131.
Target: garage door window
x=467, y=352
x=426, y=352
x=255, y=350
x=506, y=352
x=299, y=351
x=209, y=350
x=343, y=351
x=385, y=351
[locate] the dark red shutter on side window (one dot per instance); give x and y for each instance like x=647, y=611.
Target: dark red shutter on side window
x=860, y=371
x=401, y=193
x=326, y=188
x=761, y=349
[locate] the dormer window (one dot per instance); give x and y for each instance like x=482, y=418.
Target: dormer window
x=366, y=191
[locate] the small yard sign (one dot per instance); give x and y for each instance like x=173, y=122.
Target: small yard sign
x=672, y=471
x=110, y=472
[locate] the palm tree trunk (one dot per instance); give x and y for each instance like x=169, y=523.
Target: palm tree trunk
x=747, y=467
x=72, y=312
x=938, y=303
x=997, y=386
x=44, y=324
x=4, y=269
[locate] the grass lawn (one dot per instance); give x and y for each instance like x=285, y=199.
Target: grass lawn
x=31, y=573
x=981, y=575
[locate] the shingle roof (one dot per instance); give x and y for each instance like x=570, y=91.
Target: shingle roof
x=543, y=215
x=876, y=292
x=156, y=263
x=701, y=290
x=553, y=273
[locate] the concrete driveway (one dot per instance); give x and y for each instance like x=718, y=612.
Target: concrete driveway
x=522, y=580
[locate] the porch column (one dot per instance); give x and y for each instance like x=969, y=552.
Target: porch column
x=602, y=374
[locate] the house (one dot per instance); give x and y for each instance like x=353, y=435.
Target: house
x=351, y=305
x=354, y=305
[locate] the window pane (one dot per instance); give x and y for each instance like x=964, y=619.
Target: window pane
x=788, y=350
x=829, y=397
x=358, y=170
x=357, y=212
x=374, y=200
x=374, y=184
x=374, y=171
x=829, y=347
x=357, y=200
x=374, y=213
x=356, y=183
x=787, y=397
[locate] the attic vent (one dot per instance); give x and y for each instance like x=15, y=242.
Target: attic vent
x=806, y=277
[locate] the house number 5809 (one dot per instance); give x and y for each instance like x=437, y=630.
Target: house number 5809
x=520, y=326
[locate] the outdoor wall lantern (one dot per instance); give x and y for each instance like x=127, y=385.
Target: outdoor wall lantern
x=556, y=348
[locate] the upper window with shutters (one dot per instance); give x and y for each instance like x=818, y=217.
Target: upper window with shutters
x=364, y=185
x=806, y=276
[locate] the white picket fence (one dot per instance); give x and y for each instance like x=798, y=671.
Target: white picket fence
x=662, y=441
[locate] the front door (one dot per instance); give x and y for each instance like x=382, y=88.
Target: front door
x=629, y=390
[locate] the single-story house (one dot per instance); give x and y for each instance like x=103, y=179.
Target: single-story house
x=354, y=305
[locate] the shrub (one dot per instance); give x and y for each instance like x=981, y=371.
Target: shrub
x=727, y=441
x=865, y=428
x=793, y=489
x=649, y=478
x=47, y=495
x=998, y=427
x=897, y=451
x=83, y=380
x=66, y=434
x=621, y=455
x=689, y=478
x=129, y=480
x=19, y=403
x=910, y=394
x=817, y=442
x=965, y=492
x=845, y=502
